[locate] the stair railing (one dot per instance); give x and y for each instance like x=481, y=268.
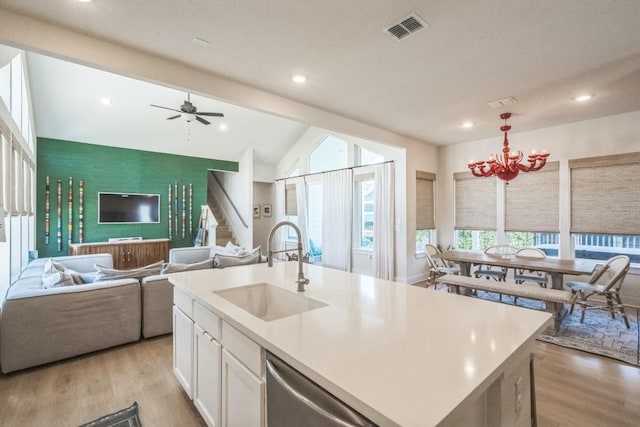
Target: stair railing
x=224, y=192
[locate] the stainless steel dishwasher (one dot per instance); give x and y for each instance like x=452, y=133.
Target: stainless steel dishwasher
x=293, y=400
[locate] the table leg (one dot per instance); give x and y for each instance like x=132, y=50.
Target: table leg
x=558, y=310
x=465, y=268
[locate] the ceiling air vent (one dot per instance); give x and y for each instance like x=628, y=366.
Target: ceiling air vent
x=502, y=102
x=411, y=24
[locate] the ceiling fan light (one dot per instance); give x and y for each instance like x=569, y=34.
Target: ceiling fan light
x=188, y=117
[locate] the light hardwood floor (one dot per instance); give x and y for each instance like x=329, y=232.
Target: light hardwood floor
x=572, y=389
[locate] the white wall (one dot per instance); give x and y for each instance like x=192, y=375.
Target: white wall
x=263, y=193
x=608, y=135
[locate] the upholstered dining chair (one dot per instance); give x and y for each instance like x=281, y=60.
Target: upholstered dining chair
x=494, y=272
x=437, y=266
x=521, y=275
x=605, y=281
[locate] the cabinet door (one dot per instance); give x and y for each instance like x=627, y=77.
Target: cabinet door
x=207, y=359
x=183, y=350
x=145, y=253
x=243, y=394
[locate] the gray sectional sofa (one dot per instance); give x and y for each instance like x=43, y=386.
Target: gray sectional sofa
x=39, y=325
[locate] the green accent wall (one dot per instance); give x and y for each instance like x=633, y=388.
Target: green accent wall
x=118, y=170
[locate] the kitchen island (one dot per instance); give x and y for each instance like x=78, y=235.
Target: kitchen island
x=398, y=354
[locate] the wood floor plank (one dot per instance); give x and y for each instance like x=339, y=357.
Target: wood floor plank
x=573, y=388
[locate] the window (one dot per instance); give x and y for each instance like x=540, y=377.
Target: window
x=368, y=157
x=532, y=201
x=605, y=201
x=475, y=240
x=547, y=242
x=332, y=153
x=364, y=198
x=425, y=218
x=604, y=246
x=291, y=206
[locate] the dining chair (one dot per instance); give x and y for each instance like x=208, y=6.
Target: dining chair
x=437, y=266
x=495, y=272
x=521, y=275
x=611, y=276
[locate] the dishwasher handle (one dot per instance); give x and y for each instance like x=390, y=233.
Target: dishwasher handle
x=354, y=418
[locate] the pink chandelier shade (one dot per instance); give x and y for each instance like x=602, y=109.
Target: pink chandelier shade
x=509, y=165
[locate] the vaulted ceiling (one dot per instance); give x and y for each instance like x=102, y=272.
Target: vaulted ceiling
x=471, y=52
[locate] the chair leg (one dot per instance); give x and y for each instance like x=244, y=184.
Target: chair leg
x=610, y=305
x=624, y=314
x=573, y=302
x=583, y=306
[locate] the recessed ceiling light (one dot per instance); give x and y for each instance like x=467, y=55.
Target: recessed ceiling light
x=583, y=98
x=85, y=1
x=105, y=101
x=222, y=126
x=299, y=78
x=467, y=125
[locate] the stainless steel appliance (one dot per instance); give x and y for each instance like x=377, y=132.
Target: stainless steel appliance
x=293, y=400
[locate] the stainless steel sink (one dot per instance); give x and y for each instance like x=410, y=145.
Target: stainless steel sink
x=269, y=302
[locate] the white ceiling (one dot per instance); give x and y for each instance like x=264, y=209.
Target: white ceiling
x=542, y=52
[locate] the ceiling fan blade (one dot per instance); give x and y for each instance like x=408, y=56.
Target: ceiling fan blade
x=166, y=108
x=211, y=114
x=174, y=117
x=203, y=121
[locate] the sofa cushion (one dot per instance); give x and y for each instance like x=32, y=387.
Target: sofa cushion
x=178, y=267
x=105, y=273
x=223, y=261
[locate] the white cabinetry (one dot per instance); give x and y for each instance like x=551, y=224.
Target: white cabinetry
x=219, y=367
x=206, y=381
x=183, y=349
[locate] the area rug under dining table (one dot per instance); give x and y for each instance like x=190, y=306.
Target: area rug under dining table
x=599, y=334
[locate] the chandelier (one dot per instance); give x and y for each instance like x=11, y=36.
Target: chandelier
x=508, y=166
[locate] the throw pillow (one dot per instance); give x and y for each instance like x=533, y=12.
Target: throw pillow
x=177, y=267
x=232, y=249
x=56, y=274
x=106, y=273
x=223, y=261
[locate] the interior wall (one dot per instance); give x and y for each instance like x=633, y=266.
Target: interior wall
x=111, y=169
x=598, y=137
x=263, y=194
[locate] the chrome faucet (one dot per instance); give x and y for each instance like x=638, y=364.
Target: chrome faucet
x=301, y=279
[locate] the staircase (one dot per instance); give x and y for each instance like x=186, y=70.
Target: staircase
x=223, y=232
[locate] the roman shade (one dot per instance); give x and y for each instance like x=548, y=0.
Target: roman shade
x=605, y=194
x=290, y=200
x=475, y=202
x=532, y=201
x=424, y=201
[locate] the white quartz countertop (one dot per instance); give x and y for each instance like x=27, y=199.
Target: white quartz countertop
x=399, y=354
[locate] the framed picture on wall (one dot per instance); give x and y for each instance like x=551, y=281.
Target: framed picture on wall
x=266, y=210
x=256, y=211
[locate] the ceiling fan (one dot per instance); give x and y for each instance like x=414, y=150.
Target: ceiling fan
x=190, y=112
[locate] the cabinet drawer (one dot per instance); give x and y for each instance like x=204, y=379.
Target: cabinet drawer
x=183, y=301
x=207, y=320
x=245, y=350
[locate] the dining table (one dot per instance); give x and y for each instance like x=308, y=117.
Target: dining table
x=555, y=267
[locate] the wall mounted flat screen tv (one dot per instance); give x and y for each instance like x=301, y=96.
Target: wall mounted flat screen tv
x=128, y=208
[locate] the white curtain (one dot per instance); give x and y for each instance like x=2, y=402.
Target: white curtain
x=303, y=214
x=337, y=217
x=384, y=222
x=281, y=234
